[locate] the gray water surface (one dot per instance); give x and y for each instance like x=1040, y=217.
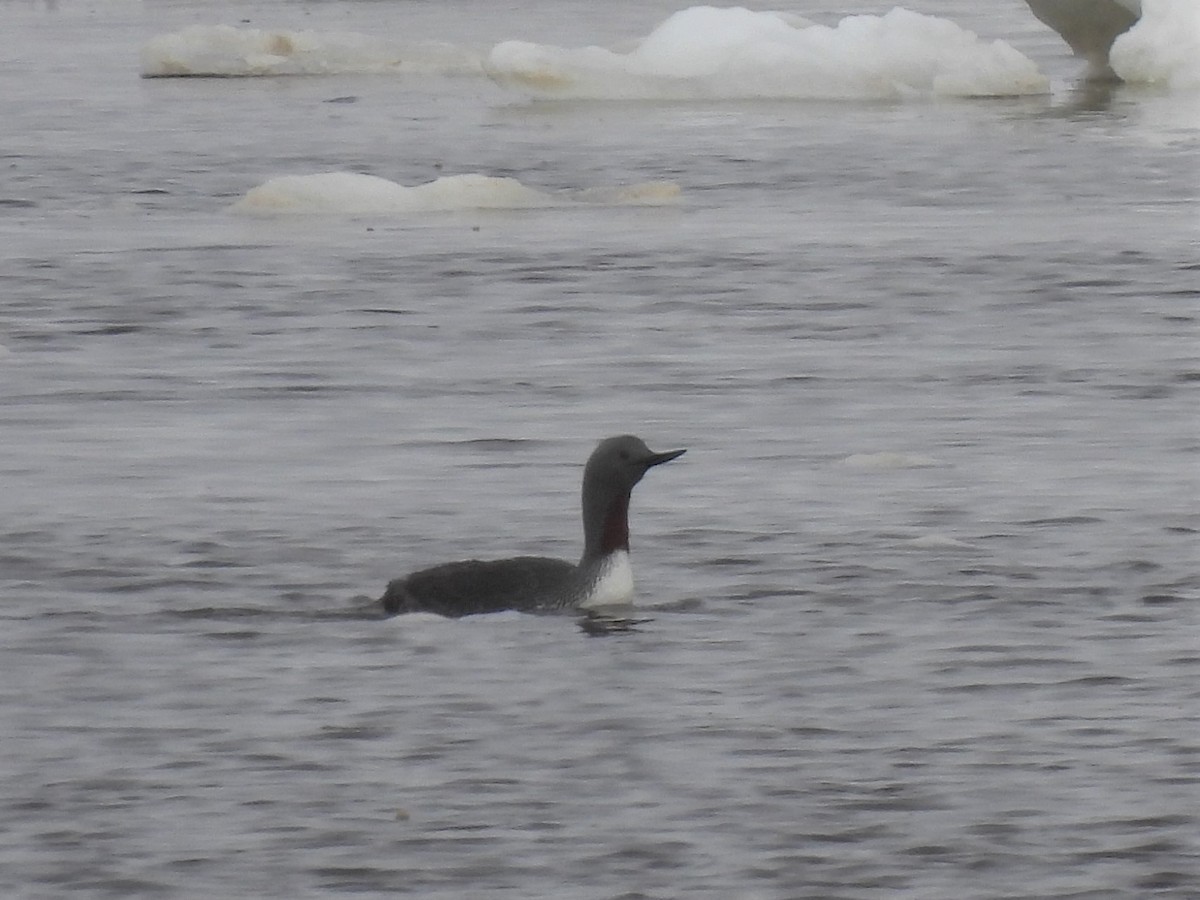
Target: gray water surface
x=923, y=593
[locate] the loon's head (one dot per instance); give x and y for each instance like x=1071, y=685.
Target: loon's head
x=615, y=466
x=618, y=463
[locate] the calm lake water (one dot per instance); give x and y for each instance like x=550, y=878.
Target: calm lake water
x=923, y=594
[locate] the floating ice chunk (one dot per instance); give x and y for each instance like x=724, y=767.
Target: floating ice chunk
x=710, y=53
x=1163, y=47
x=1089, y=27
x=350, y=193
x=221, y=50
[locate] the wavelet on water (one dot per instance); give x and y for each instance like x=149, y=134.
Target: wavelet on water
x=351, y=193
x=228, y=52
x=888, y=460
x=603, y=578
x=709, y=53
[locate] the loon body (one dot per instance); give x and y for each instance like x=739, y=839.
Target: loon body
x=602, y=578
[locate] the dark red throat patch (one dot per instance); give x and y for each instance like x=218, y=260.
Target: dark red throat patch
x=616, y=527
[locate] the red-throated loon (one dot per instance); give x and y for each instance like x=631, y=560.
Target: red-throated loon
x=603, y=577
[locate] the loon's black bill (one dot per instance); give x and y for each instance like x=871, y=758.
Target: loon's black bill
x=660, y=458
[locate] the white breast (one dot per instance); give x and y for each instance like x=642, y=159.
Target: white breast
x=614, y=587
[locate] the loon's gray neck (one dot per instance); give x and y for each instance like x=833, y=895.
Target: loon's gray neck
x=605, y=522
x=611, y=473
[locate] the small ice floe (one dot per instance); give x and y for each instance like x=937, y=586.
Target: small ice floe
x=1089, y=27
x=1152, y=42
x=350, y=193
x=710, y=53
x=1163, y=48
x=225, y=51
x=889, y=460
